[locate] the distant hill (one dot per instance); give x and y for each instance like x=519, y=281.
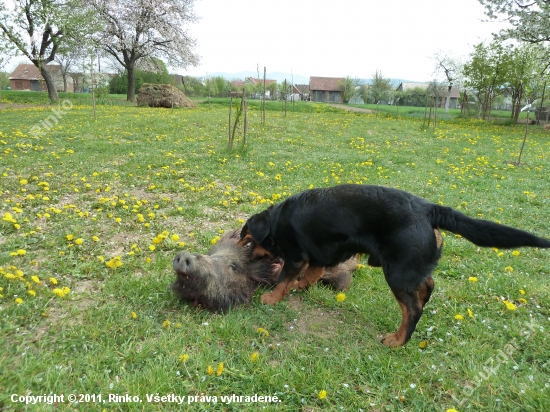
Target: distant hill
x=297, y=78
x=280, y=77
x=395, y=82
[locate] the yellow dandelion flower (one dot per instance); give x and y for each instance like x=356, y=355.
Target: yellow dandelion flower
x=184, y=358
x=166, y=324
x=95, y=238
x=133, y=315
x=423, y=344
x=31, y=292
x=322, y=394
x=470, y=313
x=35, y=279
x=18, y=301
x=521, y=292
x=254, y=357
x=175, y=238
x=215, y=240
x=147, y=259
x=219, y=369
x=515, y=253
x=69, y=237
x=58, y=292
x=360, y=266
x=508, y=269
x=79, y=241
x=114, y=263
x=451, y=410
x=341, y=297
x=210, y=370
x=473, y=279
x=459, y=317
x=152, y=248
x=262, y=331
x=522, y=300
x=509, y=305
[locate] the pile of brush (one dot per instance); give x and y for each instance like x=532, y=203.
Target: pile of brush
x=162, y=95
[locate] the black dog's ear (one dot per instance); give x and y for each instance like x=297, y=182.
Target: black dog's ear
x=258, y=226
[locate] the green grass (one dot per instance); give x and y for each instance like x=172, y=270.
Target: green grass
x=41, y=98
x=421, y=112
x=86, y=195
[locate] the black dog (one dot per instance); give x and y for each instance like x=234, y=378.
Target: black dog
x=323, y=227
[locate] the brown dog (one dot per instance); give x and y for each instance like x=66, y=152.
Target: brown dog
x=322, y=227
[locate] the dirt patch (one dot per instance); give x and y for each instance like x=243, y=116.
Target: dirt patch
x=19, y=106
x=313, y=321
x=350, y=108
x=81, y=300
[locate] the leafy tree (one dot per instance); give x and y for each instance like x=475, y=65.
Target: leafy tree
x=525, y=75
x=272, y=87
x=530, y=19
x=414, y=97
x=364, y=92
x=349, y=87
x=485, y=73
x=221, y=85
x=119, y=83
x=193, y=86
x=4, y=80
x=380, y=87
x=38, y=28
x=134, y=30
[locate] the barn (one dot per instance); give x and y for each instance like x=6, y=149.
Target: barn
x=326, y=89
x=28, y=77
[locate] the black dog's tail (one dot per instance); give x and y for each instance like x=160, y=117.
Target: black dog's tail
x=482, y=232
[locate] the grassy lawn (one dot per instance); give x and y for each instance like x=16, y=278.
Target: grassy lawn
x=92, y=214
x=499, y=116
x=41, y=98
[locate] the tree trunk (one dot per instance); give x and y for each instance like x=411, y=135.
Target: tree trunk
x=131, y=94
x=52, y=91
x=448, y=99
x=64, y=82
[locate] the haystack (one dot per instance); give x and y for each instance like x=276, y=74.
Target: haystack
x=162, y=95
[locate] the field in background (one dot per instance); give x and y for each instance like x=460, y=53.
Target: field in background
x=92, y=213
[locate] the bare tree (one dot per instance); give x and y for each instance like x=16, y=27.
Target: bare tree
x=37, y=28
x=134, y=30
x=67, y=61
x=450, y=68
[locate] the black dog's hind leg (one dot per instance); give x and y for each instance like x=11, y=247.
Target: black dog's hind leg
x=412, y=304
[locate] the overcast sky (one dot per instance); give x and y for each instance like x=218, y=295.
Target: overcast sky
x=335, y=38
